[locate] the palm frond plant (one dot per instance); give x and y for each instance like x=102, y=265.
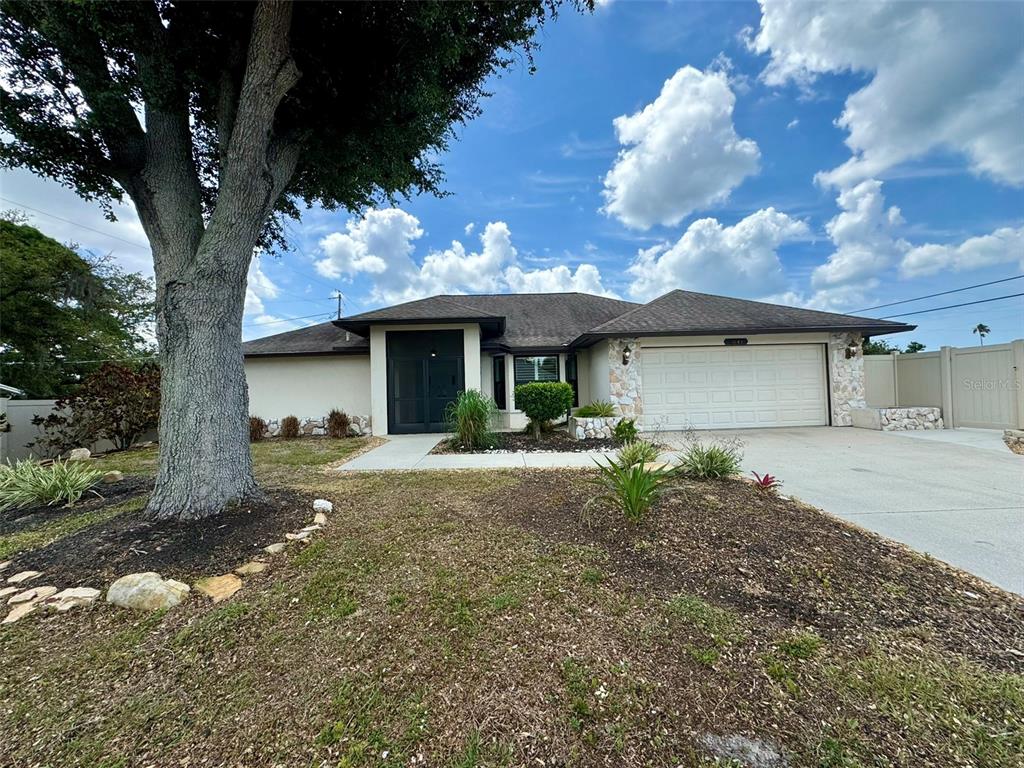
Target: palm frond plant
x=631, y=489
x=596, y=409
x=28, y=482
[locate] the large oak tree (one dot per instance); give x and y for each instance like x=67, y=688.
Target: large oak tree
x=219, y=118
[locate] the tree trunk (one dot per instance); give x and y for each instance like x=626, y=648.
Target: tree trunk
x=205, y=463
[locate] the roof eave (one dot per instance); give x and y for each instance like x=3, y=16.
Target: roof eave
x=362, y=327
x=588, y=338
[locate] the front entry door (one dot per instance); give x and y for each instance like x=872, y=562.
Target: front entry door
x=425, y=375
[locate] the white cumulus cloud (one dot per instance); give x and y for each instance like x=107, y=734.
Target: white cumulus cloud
x=682, y=152
x=1004, y=246
x=560, y=279
x=741, y=259
x=258, y=288
x=944, y=76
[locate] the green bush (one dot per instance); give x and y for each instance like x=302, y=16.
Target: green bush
x=289, y=427
x=631, y=489
x=470, y=418
x=29, y=482
x=625, y=431
x=257, y=429
x=638, y=452
x=710, y=462
x=338, y=423
x=543, y=401
x=597, y=409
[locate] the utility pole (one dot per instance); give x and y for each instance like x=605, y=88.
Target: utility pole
x=341, y=298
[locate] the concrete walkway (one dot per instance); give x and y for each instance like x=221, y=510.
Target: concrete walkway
x=413, y=452
x=951, y=494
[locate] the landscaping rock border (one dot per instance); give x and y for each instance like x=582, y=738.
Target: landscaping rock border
x=359, y=426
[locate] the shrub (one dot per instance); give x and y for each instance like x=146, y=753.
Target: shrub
x=289, y=427
x=29, y=482
x=597, y=409
x=338, y=423
x=710, y=462
x=257, y=429
x=631, y=489
x=470, y=417
x=625, y=431
x=638, y=452
x=543, y=401
x=115, y=402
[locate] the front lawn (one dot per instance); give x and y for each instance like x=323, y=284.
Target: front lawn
x=482, y=619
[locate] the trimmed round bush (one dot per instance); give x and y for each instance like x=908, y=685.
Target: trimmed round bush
x=289, y=427
x=543, y=401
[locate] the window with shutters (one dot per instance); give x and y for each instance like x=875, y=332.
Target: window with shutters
x=536, y=368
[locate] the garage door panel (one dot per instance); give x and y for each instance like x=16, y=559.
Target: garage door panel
x=723, y=387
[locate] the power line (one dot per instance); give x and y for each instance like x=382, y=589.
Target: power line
x=74, y=223
x=954, y=306
x=80, y=362
x=287, y=319
x=941, y=293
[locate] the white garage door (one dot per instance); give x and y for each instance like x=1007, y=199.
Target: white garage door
x=732, y=387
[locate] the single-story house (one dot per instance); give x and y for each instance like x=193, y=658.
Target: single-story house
x=682, y=360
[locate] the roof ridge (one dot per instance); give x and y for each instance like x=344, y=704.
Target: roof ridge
x=637, y=308
x=449, y=299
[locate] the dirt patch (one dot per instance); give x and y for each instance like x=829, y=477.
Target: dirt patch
x=556, y=441
x=128, y=543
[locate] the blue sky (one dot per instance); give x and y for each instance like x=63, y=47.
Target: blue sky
x=718, y=147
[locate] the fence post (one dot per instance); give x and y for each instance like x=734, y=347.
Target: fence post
x=946, y=382
x=1017, y=372
x=895, y=378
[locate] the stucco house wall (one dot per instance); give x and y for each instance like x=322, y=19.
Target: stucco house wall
x=308, y=387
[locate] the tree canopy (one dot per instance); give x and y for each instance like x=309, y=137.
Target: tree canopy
x=59, y=306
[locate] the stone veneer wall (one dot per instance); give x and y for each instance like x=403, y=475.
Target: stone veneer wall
x=624, y=380
x=359, y=426
x=593, y=428
x=846, y=378
x=898, y=419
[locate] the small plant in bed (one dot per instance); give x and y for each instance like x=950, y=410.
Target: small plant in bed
x=638, y=452
x=28, y=482
x=470, y=417
x=597, y=409
x=632, y=489
x=711, y=458
x=257, y=429
x=766, y=482
x=625, y=431
x=289, y=427
x=338, y=423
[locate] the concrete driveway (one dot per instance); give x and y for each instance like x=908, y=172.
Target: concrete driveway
x=953, y=494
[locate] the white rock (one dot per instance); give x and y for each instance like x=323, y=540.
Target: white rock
x=311, y=528
x=72, y=598
x=274, y=549
x=297, y=536
x=322, y=505
x=31, y=595
x=18, y=612
x=6, y=591
x=79, y=454
x=24, y=576
x=319, y=519
x=113, y=476
x=146, y=592
x=5, y=565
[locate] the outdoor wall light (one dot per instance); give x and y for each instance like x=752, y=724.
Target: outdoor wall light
x=627, y=354
x=433, y=353
x=851, y=351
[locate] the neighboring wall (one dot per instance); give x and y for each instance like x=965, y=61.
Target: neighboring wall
x=974, y=386
x=308, y=386
x=599, y=373
x=13, y=443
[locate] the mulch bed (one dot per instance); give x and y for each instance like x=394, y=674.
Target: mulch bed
x=780, y=559
x=129, y=543
x=15, y=520
x=556, y=441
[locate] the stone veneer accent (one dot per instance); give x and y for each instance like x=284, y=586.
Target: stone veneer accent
x=359, y=426
x=846, y=377
x=1014, y=439
x=593, y=428
x=898, y=419
x=624, y=389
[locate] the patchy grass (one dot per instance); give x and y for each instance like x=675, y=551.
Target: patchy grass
x=462, y=619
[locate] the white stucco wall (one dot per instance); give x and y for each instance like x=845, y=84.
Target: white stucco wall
x=598, y=373
x=308, y=386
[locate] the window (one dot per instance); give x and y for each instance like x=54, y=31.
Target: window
x=499, y=382
x=536, y=368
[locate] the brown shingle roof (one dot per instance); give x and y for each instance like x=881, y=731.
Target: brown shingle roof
x=321, y=339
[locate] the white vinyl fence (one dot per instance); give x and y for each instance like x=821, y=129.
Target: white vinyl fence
x=974, y=386
x=14, y=442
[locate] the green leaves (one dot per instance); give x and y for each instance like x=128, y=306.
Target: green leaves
x=29, y=482
x=470, y=418
x=543, y=401
x=631, y=488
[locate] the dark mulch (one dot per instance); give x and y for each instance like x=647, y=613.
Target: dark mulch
x=15, y=520
x=555, y=441
x=782, y=560
x=129, y=543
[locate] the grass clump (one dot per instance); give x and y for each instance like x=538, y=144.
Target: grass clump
x=802, y=645
x=631, y=489
x=338, y=423
x=470, y=418
x=712, y=461
x=257, y=429
x=290, y=427
x=638, y=452
x=599, y=409
x=28, y=482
